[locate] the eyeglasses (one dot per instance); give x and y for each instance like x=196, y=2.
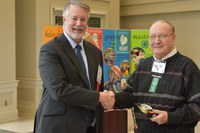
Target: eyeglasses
x=160, y=37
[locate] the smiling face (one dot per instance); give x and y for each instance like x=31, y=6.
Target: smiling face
x=162, y=39
x=75, y=22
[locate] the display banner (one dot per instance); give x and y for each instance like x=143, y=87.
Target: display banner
x=139, y=47
x=51, y=31
x=94, y=35
x=116, y=66
x=122, y=51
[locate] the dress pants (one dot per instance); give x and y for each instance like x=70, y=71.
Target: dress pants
x=91, y=129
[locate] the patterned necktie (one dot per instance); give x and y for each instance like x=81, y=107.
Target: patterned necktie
x=80, y=57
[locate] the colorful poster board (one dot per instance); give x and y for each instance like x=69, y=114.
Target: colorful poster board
x=139, y=47
x=51, y=31
x=94, y=35
x=122, y=51
x=116, y=66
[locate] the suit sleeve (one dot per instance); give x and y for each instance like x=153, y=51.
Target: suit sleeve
x=124, y=99
x=57, y=82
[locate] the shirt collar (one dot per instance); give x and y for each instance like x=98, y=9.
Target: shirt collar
x=173, y=52
x=73, y=44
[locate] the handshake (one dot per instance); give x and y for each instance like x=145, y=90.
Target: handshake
x=107, y=99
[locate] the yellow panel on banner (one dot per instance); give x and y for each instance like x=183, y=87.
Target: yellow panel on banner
x=51, y=31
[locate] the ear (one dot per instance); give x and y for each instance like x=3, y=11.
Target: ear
x=64, y=19
x=174, y=36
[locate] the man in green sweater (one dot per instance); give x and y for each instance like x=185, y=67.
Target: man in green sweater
x=168, y=82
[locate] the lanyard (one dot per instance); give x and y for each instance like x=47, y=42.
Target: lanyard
x=158, y=69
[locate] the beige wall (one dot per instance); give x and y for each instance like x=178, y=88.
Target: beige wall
x=42, y=17
x=107, y=10
x=8, y=82
x=7, y=37
x=185, y=15
x=31, y=15
x=25, y=38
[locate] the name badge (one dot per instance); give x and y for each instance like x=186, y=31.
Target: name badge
x=158, y=67
x=99, y=74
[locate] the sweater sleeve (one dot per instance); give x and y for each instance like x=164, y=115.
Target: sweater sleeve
x=190, y=111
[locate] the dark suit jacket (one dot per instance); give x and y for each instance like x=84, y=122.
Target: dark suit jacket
x=67, y=100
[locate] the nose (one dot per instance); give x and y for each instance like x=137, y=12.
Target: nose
x=78, y=22
x=156, y=39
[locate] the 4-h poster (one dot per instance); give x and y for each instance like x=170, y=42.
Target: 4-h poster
x=94, y=35
x=51, y=31
x=139, y=47
x=116, y=66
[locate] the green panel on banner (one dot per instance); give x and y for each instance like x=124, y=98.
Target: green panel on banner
x=139, y=47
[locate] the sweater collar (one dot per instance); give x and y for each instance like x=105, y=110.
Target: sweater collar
x=173, y=52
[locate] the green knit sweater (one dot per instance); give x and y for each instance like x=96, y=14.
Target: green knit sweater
x=178, y=93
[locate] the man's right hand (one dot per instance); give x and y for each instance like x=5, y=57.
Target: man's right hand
x=107, y=99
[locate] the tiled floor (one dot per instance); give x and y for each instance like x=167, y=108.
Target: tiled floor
x=22, y=125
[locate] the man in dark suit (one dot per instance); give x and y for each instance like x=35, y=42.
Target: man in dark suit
x=71, y=102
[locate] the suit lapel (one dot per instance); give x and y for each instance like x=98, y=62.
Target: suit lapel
x=62, y=40
x=91, y=64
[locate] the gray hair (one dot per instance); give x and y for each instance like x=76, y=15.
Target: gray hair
x=77, y=3
x=167, y=22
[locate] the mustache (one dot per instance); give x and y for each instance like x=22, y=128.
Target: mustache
x=78, y=27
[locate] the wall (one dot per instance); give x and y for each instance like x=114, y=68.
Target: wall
x=107, y=10
x=8, y=82
x=185, y=15
x=30, y=18
x=7, y=36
